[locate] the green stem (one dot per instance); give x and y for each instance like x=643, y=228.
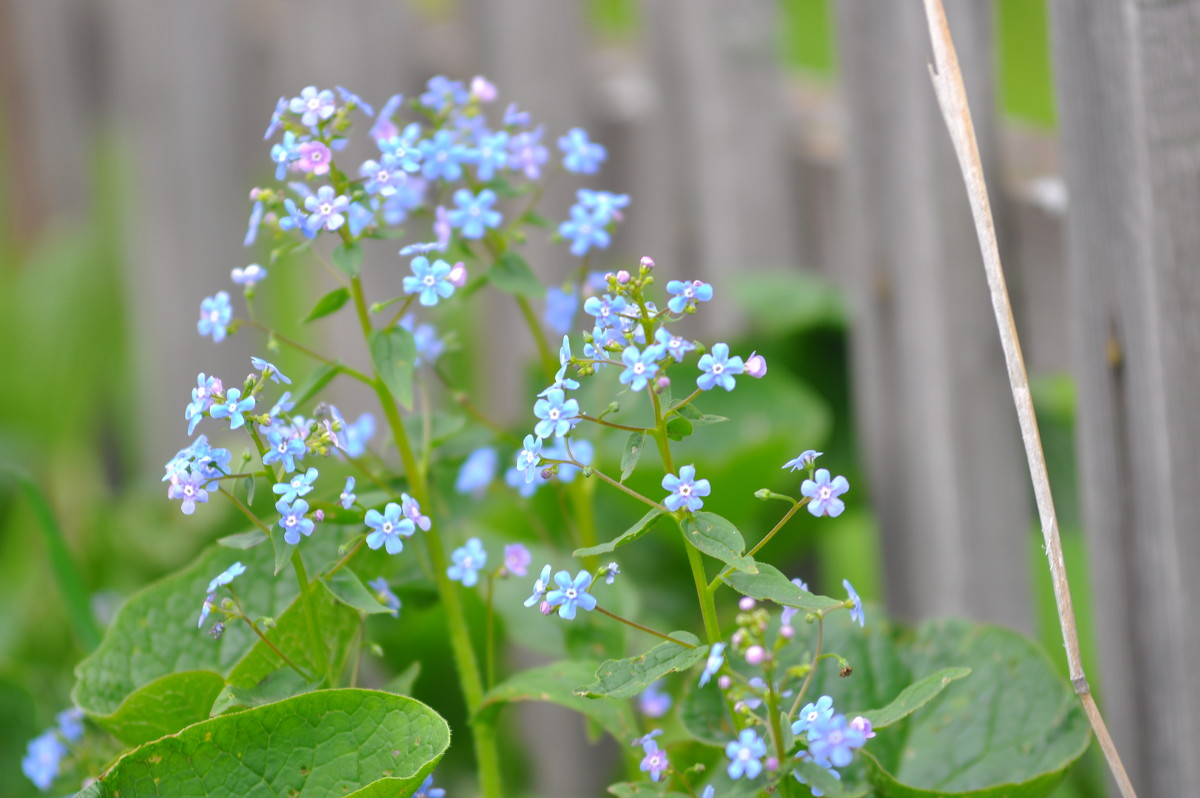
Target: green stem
x=490, y=661
x=812, y=668
x=595, y=420
x=717, y=580
x=675, y=407
x=299, y=347
x=254, y=627
x=645, y=629
x=708, y=608
x=549, y=361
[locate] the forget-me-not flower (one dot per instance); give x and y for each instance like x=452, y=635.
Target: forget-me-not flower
x=639, y=366
x=474, y=214
x=215, y=315
x=719, y=368
x=388, y=527
x=557, y=413
x=856, y=610
x=293, y=520
x=429, y=280
x=803, y=460
x=686, y=293
x=468, y=561
x=283, y=448
x=579, y=154
x=716, y=658
x=270, y=370
x=686, y=490
x=347, y=497
x=313, y=106
x=824, y=493
x=571, y=594
x=326, y=209
x=233, y=407
x=412, y=511
x=585, y=229
x=477, y=472
x=540, y=586
x=299, y=485
x=745, y=755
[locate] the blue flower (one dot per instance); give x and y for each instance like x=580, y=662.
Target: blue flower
x=517, y=559
x=269, y=369
x=474, y=213
x=385, y=595
x=350, y=98
x=685, y=294
x=429, y=281
x=215, y=315
x=443, y=91
x=803, y=460
x=654, y=703
x=281, y=105
x=442, y=157
x=639, y=366
x=256, y=215
x=582, y=451
x=611, y=572
x=360, y=218
x=383, y=176
x=388, y=528
x=516, y=480
x=806, y=756
x=813, y=715
x=560, y=309
x=529, y=457
x=284, y=448
x=525, y=152
x=540, y=586
x=355, y=436
x=468, y=561
x=557, y=413
x=834, y=741
x=709, y=792
x=284, y=405
x=294, y=219
x=581, y=155
x=491, y=153
x=284, y=153
x=326, y=209
x=42, y=758
x=233, y=407
x=412, y=511
x=314, y=106
x=226, y=576
x=606, y=309
x=347, y=498
x=856, y=609
x=427, y=790
x=673, y=345
x=70, y=724
x=605, y=206
x=293, y=521
x=299, y=485
x=686, y=490
x=716, y=658
x=718, y=368
x=585, y=229
x=824, y=493
x=571, y=594
x=655, y=761
x=405, y=148
x=745, y=754
x=477, y=472
x=202, y=398
x=249, y=276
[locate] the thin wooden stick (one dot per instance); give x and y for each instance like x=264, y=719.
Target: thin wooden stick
x=952, y=98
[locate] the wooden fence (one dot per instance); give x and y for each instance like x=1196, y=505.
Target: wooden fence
x=733, y=166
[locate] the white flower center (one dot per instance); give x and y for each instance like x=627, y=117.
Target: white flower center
x=386, y=528
x=717, y=368
x=326, y=208
x=429, y=280
x=639, y=368
x=685, y=490
x=553, y=414
x=570, y=593
x=824, y=492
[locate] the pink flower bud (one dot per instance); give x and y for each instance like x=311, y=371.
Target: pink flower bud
x=647, y=262
x=745, y=604
x=772, y=763
x=755, y=655
x=319, y=516
x=483, y=89
x=756, y=366
x=787, y=632
x=254, y=194
x=622, y=277
x=661, y=384
x=545, y=609
x=458, y=275
x=724, y=681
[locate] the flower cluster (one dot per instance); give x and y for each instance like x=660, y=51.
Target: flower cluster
x=45, y=753
x=831, y=738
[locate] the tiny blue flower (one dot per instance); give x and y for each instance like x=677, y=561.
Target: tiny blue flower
x=571, y=594
x=284, y=405
x=686, y=490
x=477, y=472
x=639, y=366
x=269, y=369
x=442, y=91
x=70, y=724
x=232, y=408
x=281, y=106
x=474, y=213
x=283, y=448
x=813, y=715
x=383, y=176
x=540, y=586
x=606, y=309
x=215, y=315
x=803, y=460
x=856, y=609
x=427, y=790
x=405, y=148
x=385, y=595
x=585, y=229
x=188, y=488
x=517, y=559
x=581, y=155
x=611, y=572
x=718, y=368
x=350, y=98
x=557, y=413
x=529, y=457
x=442, y=157
x=249, y=276
x=347, y=497
x=605, y=206
x=293, y=521
x=674, y=345
x=490, y=154
x=314, y=106
x=824, y=493
x=299, y=485
x=202, y=399
x=360, y=218
x=388, y=527
x=655, y=761
x=716, y=658
x=412, y=511
x=468, y=561
x=525, y=152
x=835, y=741
x=326, y=209
x=429, y=280
x=256, y=215
x=654, y=703
x=745, y=755
x=685, y=294
x=42, y=758
x=295, y=219
x=284, y=153
x=560, y=309
x=356, y=436
x=225, y=577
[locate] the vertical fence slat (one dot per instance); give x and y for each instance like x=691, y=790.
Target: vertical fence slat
x=1130, y=109
x=938, y=427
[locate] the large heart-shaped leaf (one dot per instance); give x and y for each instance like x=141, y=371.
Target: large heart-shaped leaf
x=770, y=584
x=331, y=742
x=717, y=537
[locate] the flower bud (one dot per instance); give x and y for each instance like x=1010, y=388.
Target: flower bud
x=745, y=604
x=787, y=632
x=216, y=631
x=647, y=262
x=319, y=516
x=457, y=275
x=545, y=609
x=724, y=681
x=755, y=655
x=756, y=366
x=772, y=763
x=661, y=384
x=482, y=89
x=622, y=277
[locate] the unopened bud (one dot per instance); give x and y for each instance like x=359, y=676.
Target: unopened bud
x=661, y=384
x=483, y=89
x=216, y=631
x=756, y=366
x=755, y=655
x=745, y=604
x=457, y=275
x=772, y=763
x=319, y=516
x=622, y=277
x=545, y=609
x=647, y=262
x=787, y=632
x=724, y=681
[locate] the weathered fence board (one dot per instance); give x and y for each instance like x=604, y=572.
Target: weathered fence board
x=938, y=427
x=1130, y=105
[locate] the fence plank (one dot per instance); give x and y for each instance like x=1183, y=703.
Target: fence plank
x=938, y=428
x=1130, y=106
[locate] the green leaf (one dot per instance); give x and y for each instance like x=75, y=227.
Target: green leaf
x=771, y=585
x=249, y=482
x=1012, y=728
x=717, y=537
x=534, y=219
x=348, y=259
x=402, y=683
x=818, y=777
x=394, y=352
x=154, y=672
x=328, y=742
x=640, y=527
x=633, y=450
x=678, y=428
x=698, y=419
x=330, y=303
x=283, y=683
x=317, y=379
x=555, y=683
x=346, y=587
x=511, y=274
x=442, y=426
x=244, y=540
x=625, y=678
x=706, y=717
x=913, y=697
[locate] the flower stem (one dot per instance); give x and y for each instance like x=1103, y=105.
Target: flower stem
x=254, y=627
x=812, y=668
x=299, y=347
x=716, y=582
x=645, y=629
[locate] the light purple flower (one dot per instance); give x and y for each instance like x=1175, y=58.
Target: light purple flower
x=326, y=209
x=824, y=493
x=313, y=106
x=517, y=559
